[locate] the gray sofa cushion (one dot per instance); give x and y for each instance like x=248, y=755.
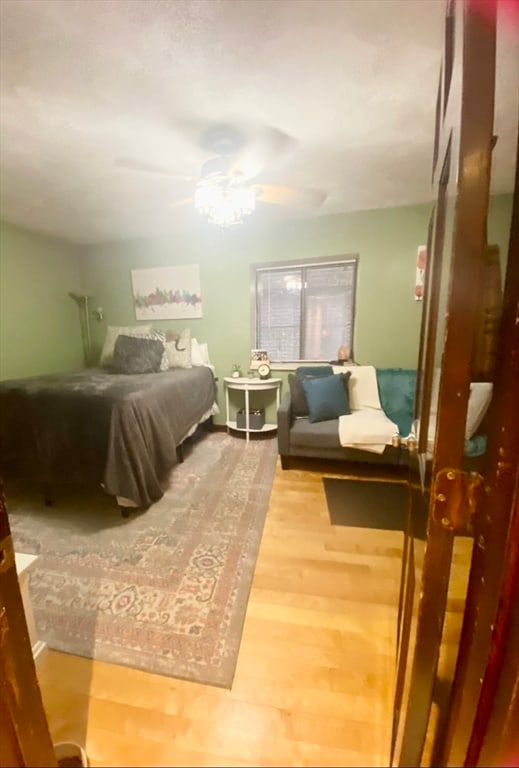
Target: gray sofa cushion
x=321, y=434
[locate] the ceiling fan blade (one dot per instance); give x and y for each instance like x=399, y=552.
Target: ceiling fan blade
x=291, y=196
x=181, y=203
x=264, y=146
x=136, y=165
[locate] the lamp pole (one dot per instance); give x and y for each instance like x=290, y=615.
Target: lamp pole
x=82, y=300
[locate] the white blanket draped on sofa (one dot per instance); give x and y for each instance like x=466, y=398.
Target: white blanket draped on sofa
x=367, y=427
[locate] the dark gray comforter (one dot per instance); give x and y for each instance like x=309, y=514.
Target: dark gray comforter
x=119, y=430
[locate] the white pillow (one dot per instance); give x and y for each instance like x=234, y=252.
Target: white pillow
x=435, y=390
x=179, y=350
x=204, y=352
x=196, y=355
x=112, y=332
x=479, y=400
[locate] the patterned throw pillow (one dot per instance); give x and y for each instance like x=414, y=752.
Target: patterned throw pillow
x=160, y=336
x=137, y=354
x=178, y=350
x=112, y=332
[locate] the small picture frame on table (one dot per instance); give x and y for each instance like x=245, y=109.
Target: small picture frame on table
x=257, y=357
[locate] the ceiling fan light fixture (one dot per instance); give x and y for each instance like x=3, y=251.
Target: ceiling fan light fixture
x=224, y=206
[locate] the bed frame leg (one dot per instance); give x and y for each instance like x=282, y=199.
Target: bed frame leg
x=180, y=453
x=125, y=511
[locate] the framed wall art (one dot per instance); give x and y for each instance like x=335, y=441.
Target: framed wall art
x=257, y=357
x=421, y=261
x=167, y=293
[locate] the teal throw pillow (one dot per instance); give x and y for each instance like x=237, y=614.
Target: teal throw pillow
x=396, y=387
x=327, y=397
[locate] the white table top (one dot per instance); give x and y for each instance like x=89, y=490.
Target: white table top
x=244, y=380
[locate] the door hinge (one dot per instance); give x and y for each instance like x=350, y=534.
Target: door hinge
x=454, y=499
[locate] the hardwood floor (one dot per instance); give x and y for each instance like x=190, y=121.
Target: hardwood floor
x=315, y=674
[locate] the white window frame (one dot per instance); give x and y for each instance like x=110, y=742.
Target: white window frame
x=256, y=269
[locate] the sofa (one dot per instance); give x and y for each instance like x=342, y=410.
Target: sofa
x=302, y=433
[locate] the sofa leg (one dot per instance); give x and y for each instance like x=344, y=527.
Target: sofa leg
x=285, y=462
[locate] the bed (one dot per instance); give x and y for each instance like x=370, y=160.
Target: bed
x=122, y=431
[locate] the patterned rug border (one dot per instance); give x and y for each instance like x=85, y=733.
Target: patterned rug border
x=129, y=603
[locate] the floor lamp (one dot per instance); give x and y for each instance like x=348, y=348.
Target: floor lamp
x=82, y=300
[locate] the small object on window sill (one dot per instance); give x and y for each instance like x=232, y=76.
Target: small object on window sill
x=343, y=353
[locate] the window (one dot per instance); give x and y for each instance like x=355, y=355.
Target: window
x=305, y=311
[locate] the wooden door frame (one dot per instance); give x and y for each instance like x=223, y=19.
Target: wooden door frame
x=495, y=736
x=24, y=731
x=493, y=529
x=468, y=130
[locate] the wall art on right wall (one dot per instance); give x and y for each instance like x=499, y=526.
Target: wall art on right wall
x=421, y=261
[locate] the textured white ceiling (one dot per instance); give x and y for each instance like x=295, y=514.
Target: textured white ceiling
x=85, y=82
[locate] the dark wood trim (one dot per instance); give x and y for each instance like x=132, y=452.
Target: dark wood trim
x=24, y=730
x=435, y=582
x=467, y=130
x=425, y=315
x=434, y=302
x=448, y=56
x=495, y=732
x=492, y=516
x=437, y=122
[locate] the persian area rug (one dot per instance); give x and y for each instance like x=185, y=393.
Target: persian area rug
x=166, y=589
x=368, y=504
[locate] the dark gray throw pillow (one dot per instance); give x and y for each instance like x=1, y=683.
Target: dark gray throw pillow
x=298, y=402
x=133, y=354
x=313, y=370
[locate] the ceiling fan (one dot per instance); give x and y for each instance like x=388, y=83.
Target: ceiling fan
x=225, y=191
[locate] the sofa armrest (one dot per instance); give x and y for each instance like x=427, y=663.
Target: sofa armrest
x=285, y=419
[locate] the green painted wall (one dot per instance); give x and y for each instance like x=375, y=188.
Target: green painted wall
x=387, y=316
x=39, y=322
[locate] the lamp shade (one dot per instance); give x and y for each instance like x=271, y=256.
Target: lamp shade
x=80, y=295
